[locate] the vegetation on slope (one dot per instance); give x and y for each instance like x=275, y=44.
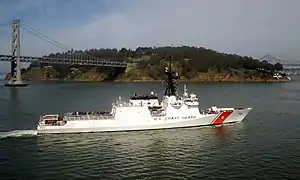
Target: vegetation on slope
x=147, y=63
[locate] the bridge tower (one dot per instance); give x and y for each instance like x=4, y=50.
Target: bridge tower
x=16, y=78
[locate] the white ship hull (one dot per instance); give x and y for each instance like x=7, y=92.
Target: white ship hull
x=140, y=123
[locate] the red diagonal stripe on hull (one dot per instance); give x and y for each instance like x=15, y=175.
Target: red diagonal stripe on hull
x=222, y=117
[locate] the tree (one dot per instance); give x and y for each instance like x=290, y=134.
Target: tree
x=278, y=66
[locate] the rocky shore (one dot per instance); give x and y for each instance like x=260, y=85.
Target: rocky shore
x=39, y=74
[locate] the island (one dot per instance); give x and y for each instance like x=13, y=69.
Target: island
x=146, y=64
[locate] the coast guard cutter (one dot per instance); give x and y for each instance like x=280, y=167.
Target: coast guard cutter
x=144, y=113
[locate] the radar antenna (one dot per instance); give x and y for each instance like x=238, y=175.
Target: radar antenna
x=171, y=84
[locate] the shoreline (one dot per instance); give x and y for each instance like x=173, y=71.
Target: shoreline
x=161, y=81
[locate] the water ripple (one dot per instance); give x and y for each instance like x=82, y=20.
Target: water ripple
x=264, y=146
x=171, y=154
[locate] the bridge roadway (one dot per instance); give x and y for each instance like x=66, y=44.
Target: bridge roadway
x=87, y=62
x=289, y=66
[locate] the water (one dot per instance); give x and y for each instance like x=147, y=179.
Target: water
x=265, y=146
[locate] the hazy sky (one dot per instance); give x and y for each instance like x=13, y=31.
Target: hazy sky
x=253, y=27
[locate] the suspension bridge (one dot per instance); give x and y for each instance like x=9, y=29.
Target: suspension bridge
x=81, y=59
x=290, y=68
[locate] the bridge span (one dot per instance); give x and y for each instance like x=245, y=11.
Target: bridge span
x=83, y=59
x=62, y=60
x=289, y=67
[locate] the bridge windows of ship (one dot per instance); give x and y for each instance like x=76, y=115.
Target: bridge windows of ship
x=144, y=97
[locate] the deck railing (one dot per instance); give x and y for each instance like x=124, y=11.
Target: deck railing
x=74, y=118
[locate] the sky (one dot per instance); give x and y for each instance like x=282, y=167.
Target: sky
x=252, y=28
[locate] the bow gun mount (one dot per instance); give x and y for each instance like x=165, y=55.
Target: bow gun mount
x=170, y=80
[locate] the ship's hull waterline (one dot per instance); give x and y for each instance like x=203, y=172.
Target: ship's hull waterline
x=90, y=126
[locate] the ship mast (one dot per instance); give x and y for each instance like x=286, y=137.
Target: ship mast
x=171, y=87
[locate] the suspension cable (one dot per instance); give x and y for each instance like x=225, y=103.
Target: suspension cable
x=37, y=35
x=42, y=36
x=56, y=43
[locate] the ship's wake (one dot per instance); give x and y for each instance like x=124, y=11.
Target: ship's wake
x=18, y=133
